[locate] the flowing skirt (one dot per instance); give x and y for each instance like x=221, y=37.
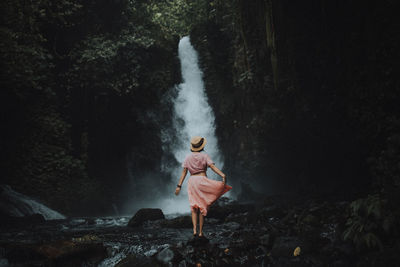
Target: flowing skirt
x=203, y=191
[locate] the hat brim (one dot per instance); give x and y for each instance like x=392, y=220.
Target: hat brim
x=195, y=149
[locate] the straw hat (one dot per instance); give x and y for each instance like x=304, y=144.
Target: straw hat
x=197, y=143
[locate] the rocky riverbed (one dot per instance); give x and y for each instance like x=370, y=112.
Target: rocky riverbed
x=274, y=231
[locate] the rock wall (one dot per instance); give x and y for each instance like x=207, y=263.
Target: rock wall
x=298, y=91
x=80, y=105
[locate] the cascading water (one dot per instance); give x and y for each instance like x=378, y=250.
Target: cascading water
x=192, y=116
x=191, y=106
x=17, y=204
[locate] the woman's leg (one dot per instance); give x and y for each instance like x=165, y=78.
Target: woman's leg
x=194, y=220
x=201, y=222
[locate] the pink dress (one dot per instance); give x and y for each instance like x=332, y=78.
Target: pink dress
x=202, y=191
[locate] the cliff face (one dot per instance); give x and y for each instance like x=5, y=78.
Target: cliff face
x=303, y=93
x=81, y=94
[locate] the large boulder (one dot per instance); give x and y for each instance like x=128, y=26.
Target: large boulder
x=13, y=221
x=143, y=215
x=178, y=222
x=88, y=249
x=221, y=212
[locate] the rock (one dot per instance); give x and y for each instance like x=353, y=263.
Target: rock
x=91, y=221
x=5, y=263
x=248, y=194
x=198, y=241
x=58, y=253
x=178, y=222
x=137, y=261
x=150, y=252
x=16, y=204
x=223, y=201
x=266, y=240
x=34, y=218
x=166, y=255
x=232, y=226
x=73, y=253
x=145, y=215
x=221, y=212
x=311, y=220
x=25, y=221
x=292, y=262
x=20, y=253
x=271, y=212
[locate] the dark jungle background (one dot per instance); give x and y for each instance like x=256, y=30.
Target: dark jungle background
x=305, y=95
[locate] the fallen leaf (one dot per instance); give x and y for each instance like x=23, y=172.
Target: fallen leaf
x=296, y=251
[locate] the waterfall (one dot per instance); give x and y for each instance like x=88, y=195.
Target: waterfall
x=192, y=116
x=191, y=106
x=17, y=204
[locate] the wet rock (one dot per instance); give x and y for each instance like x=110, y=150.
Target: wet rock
x=145, y=215
x=247, y=240
x=311, y=220
x=178, y=222
x=166, y=255
x=150, y=252
x=4, y=262
x=243, y=218
x=69, y=253
x=58, y=253
x=221, y=212
x=138, y=261
x=34, y=218
x=266, y=240
x=223, y=201
x=292, y=262
x=198, y=241
x=19, y=253
x=266, y=213
x=91, y=221
x=25, y=221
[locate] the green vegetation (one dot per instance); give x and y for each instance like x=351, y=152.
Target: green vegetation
x=368, y=220
x=66, y=67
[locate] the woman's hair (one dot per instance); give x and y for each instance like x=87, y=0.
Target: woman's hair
x=197, y=151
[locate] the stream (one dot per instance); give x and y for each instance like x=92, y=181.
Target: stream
x=262, y=233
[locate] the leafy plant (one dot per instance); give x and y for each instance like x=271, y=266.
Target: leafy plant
x=368, y=222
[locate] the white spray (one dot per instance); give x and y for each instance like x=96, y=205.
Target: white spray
x=17, y=204
x=193, y=116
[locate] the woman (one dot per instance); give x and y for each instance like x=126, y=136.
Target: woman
x=202, y=191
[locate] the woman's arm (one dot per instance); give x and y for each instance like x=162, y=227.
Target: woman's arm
x=219, y=172
x=183, y=175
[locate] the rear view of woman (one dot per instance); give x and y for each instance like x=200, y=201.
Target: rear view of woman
x=202, y=191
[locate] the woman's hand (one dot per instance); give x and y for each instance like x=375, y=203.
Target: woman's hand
x=177, y=190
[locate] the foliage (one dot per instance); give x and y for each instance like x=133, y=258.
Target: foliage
x=58, y=58
x=369, y=222
x=178, y=17
x=386, y=167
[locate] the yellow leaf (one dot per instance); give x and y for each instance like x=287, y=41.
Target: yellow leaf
x=296, y=251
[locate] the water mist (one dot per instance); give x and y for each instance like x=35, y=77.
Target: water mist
x=192, y=116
